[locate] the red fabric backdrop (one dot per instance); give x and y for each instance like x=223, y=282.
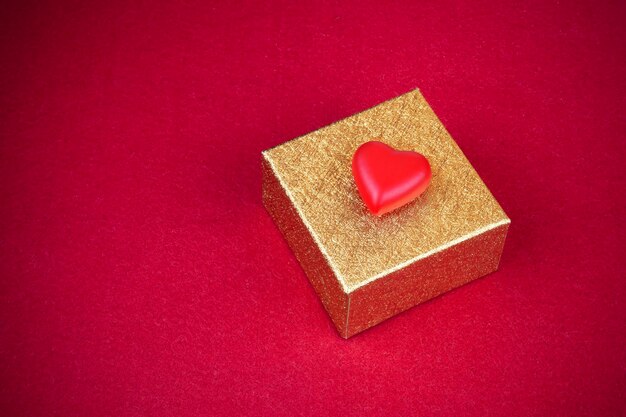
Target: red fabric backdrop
x=140, y=274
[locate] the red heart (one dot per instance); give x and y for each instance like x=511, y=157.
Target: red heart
x=388, y=179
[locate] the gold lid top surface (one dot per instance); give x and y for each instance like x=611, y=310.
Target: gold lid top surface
x=315, y=171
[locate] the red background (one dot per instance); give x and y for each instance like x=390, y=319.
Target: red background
x=140, y=274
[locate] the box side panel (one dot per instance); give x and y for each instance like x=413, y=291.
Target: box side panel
x=301, y=242
x=425, y=279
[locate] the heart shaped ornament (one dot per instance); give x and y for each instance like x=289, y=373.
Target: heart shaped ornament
x=388, y=179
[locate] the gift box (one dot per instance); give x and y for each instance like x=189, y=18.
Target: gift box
x=366, y=268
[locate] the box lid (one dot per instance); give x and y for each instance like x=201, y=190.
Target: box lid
x=315, y=171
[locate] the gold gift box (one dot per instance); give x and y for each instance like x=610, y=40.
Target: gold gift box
x=365, y=268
